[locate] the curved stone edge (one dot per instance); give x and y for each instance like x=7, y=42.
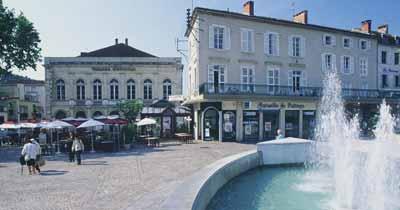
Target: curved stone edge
x=197, y=190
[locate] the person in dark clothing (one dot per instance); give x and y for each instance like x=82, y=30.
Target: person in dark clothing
x=68, y=148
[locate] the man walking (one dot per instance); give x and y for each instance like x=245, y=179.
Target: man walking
x=29, y=152
x=78, y=147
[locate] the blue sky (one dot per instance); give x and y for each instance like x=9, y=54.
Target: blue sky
x=68, y=27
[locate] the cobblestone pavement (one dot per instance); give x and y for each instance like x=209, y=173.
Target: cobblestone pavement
x=139, y=179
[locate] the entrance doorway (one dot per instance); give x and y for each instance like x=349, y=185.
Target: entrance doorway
x=211, y=125
x=166, y=126
x=308, y=124
x=292, y=122
x=271, y=124
x=250, y=125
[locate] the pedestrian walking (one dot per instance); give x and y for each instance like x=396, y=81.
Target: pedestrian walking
x=38, y=155
x=78, y=147
x=68, y=147
x=29, y=152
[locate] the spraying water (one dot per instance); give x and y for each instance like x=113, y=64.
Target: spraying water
x=363, y=172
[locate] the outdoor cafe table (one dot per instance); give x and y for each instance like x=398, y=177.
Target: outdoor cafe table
x=185, y=137
x=153, y=141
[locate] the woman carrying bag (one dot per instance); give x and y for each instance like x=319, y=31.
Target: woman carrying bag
x=78, y=147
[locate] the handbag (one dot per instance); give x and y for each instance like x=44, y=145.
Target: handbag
x=41, y=162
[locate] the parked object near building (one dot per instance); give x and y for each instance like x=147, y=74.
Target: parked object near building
x=249, y=75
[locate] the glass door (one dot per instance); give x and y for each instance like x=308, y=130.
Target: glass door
x=292, y=121
x=308, y=124
x=271, y=124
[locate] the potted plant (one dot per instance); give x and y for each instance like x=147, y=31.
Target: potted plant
x=129, y=132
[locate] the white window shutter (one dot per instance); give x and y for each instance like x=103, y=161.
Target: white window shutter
x=342, y=64
x=351, y=64
x=211, y=36
x=290, y=47
x=323, y=62
x=290, y=78
x=266, y=43
x=366, y=66
x=243, y=40
x=351, y=43
x=227, y=41
x=303, y=79
x=333, y=62
x=210, y=78
x=253, y=37
x=277, y=44
x=303, y=47
x=368, y=44
x=333, y=41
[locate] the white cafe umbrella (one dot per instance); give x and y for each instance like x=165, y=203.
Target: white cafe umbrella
x=146, y=121
x=57, y=124
x=10, y=126
x=29, y=125
x=90, y=124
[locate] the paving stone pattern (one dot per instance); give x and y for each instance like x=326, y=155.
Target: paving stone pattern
x=140, y=179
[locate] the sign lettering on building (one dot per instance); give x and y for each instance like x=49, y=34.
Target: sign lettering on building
x=282, y=105
x=114, y=68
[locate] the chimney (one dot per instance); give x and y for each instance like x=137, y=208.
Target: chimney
x=301, y=17
x=248, y=8
x=126, y=41
x=116, y=41
x=383, y=29
x=366, y=26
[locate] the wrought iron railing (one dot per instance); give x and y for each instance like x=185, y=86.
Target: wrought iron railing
x=279, y=90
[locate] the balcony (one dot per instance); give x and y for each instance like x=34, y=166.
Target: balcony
x=232, y=90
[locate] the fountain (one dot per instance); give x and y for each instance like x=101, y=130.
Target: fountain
x=344, y=173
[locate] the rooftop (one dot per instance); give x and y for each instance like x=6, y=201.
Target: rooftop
x=9, y=78
x=276, y=21
x=117, y=50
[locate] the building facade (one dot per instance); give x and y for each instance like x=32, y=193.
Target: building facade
x=96, y=82
x=21, y=98
x=250, y=76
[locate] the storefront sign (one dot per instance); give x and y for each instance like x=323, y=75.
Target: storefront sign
x=113, y=68
x=390, y=71
x=267, y=126
x=275, y=105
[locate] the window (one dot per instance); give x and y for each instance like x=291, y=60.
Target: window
x=97, y=90
x=328, y=62
x=148, y=89
x=363, y=67
x=347, y=65
x=363, y=44
x=296, y=80
x=383, y=57
x=60, y=84
x=272, y=78
x=247, y=78
x=396, y=81
x=114, y=90
x=219, y=37
x=384, y=81
x=396, y=58
x=296, y=46
x=271, y=44
x=247, y=40
x=216, y=77
x=329, y=40
x=347, y=42
x=130, y=89
x=80, y=90
x=167, y=88
x=364, y=85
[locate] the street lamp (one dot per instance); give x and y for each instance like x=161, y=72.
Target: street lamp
x=188, y=119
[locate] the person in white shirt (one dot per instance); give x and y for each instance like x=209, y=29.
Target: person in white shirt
x=77, y=148
x=29, y=152
x=38, y=154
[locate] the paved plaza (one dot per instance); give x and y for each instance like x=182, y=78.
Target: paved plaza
x=140, y=179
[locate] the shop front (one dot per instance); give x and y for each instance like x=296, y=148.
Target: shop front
x=251, y=125
x=270, y=124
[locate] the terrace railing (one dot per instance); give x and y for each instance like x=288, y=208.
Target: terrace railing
x=279, y=90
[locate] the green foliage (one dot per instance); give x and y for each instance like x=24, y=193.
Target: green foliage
x=131, y=109
x=130, y=132
x=19, y=42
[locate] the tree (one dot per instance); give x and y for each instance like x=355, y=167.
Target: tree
x=19, y=41
x=131, y=109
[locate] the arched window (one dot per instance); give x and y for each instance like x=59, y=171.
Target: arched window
x=80, y=114
x=97, y=90
x=60, y=115
x=148, y=89
x=114, y=89
x=167, y=88
x=97, y=114
x=80, y=90
x=60, y=89
x=130, y=89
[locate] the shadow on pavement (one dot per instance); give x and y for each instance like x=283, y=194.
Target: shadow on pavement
x=52, y=173
x=94, y=163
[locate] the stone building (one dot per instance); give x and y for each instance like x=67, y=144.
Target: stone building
x=250, y=75
x=96, y=82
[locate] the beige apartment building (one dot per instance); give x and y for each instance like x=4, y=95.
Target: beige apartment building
x=249, y=75
x=95, y=83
